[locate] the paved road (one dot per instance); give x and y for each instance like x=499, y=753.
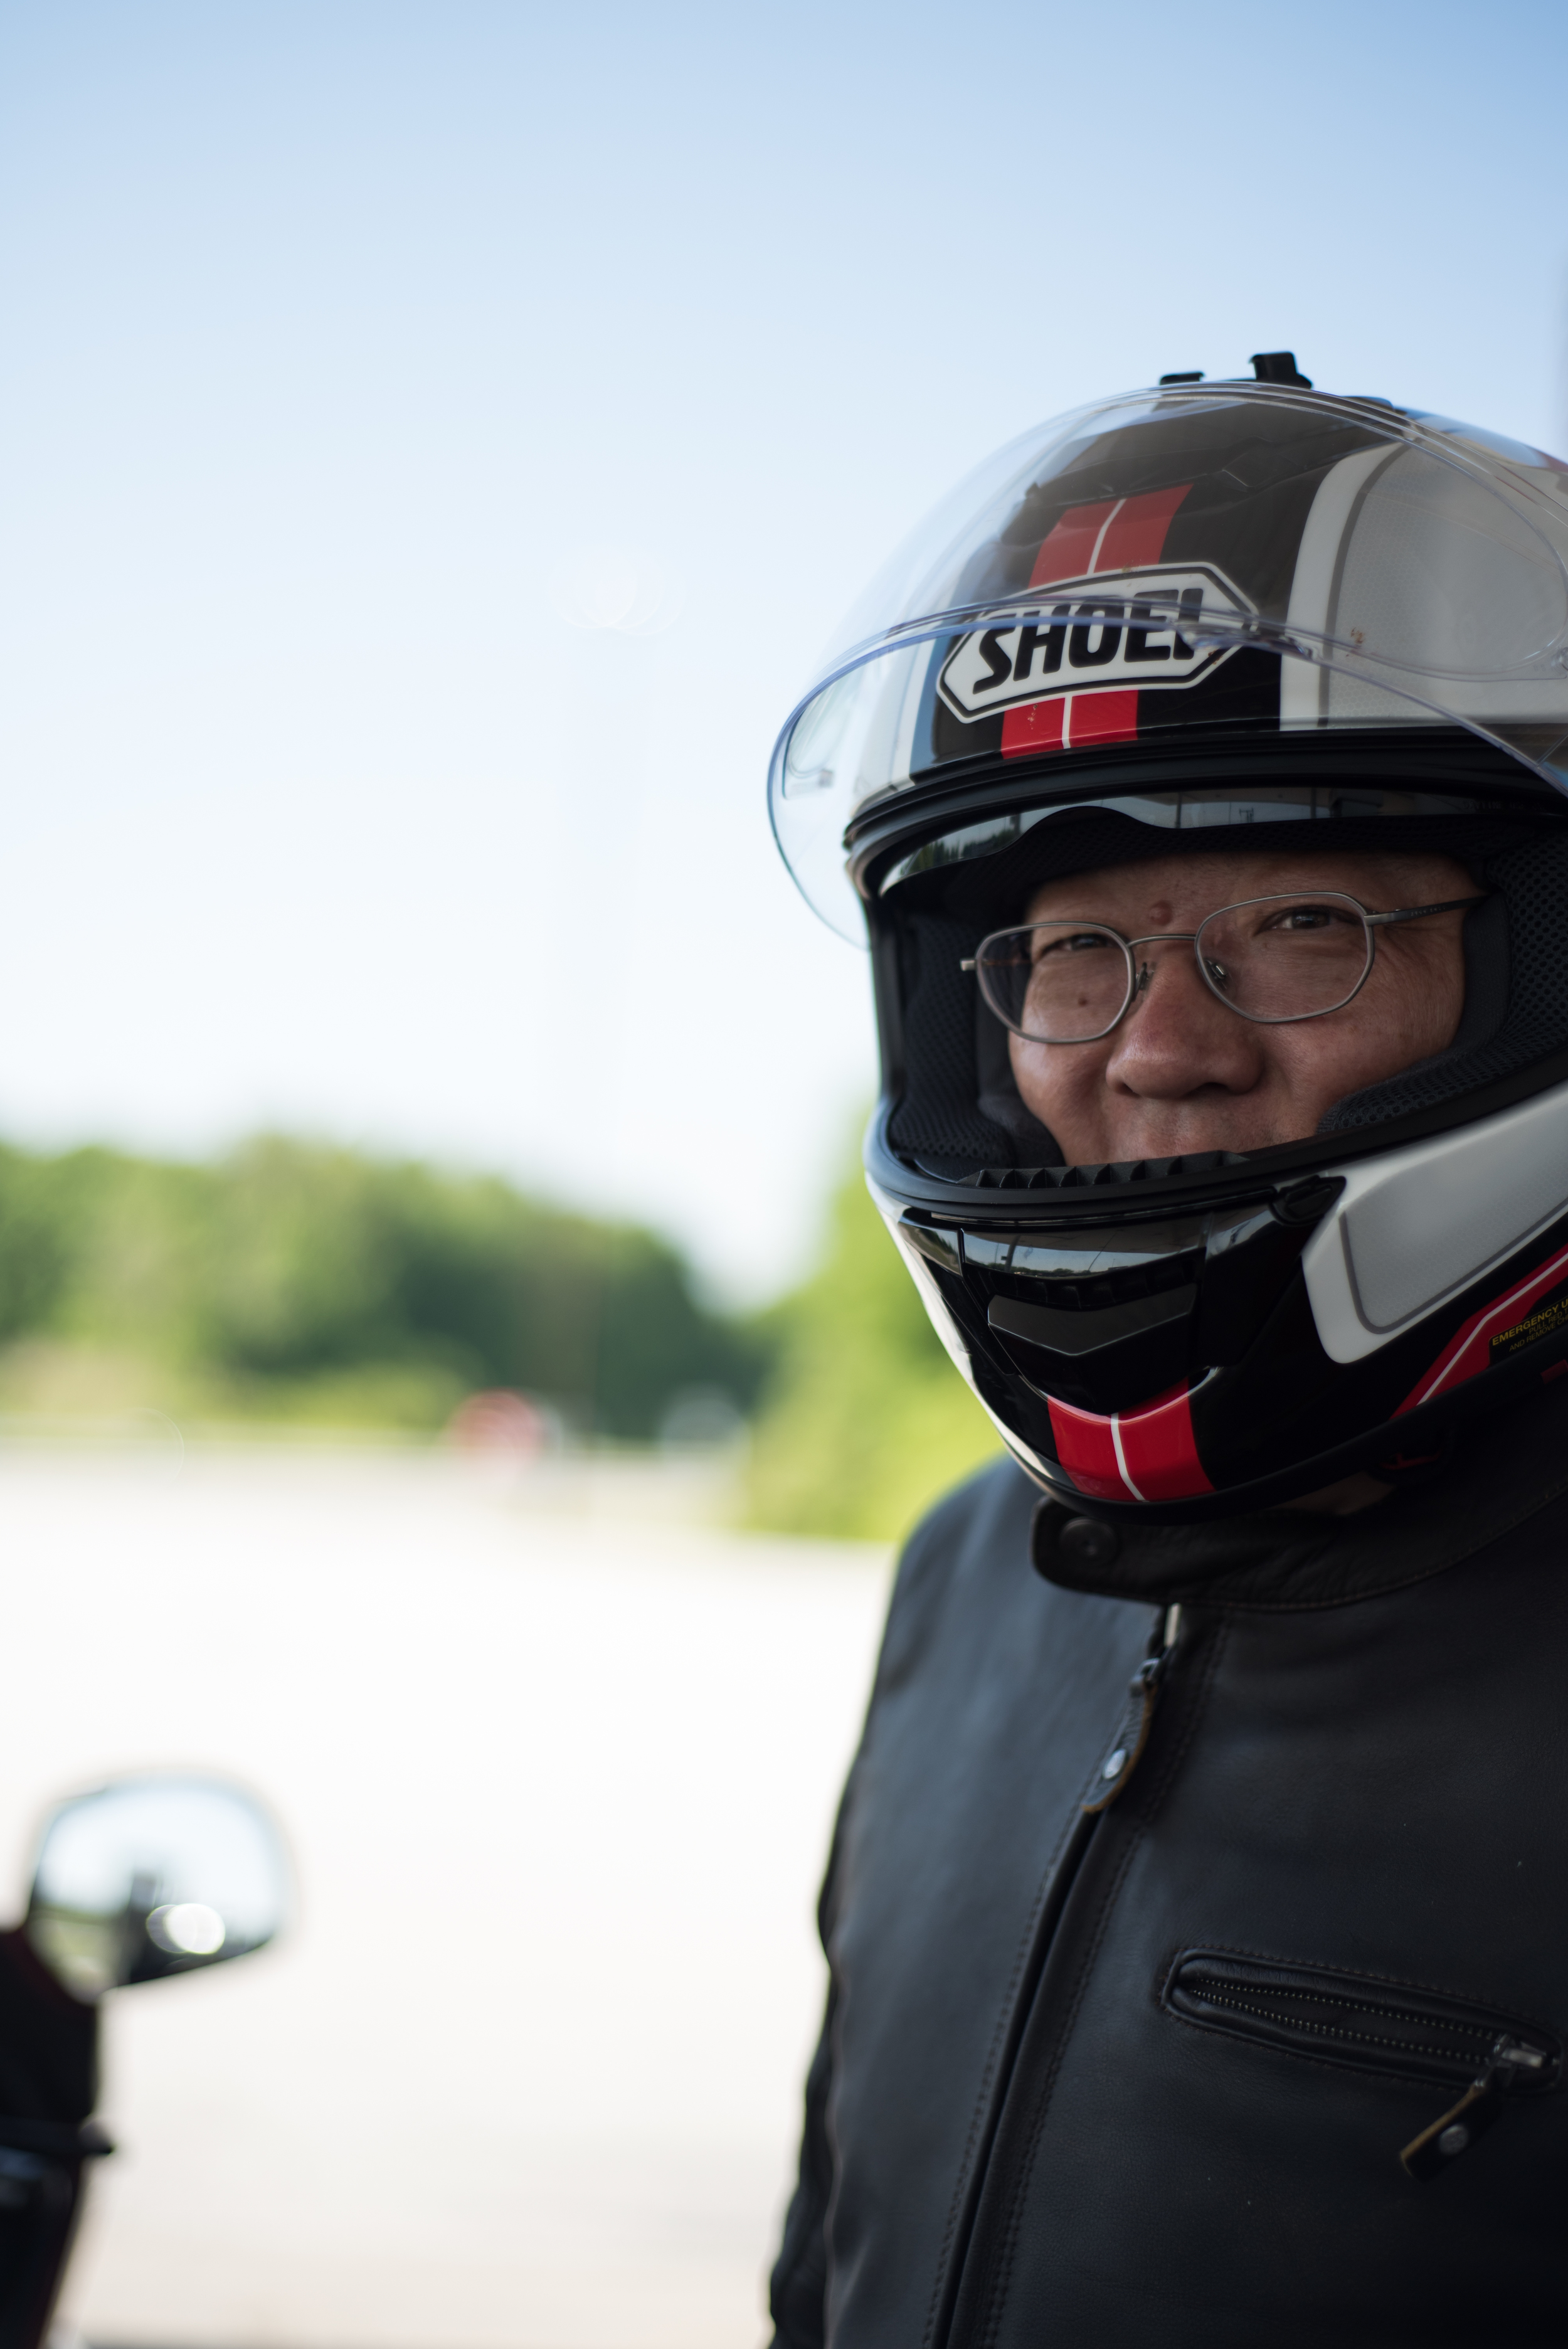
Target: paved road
x=523, y=2075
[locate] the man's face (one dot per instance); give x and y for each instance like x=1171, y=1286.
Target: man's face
x=1183, y=1073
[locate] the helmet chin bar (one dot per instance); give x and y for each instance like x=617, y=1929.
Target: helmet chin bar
x=1184, y=1364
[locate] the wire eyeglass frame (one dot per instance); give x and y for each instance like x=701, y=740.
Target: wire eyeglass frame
x=1140, y=976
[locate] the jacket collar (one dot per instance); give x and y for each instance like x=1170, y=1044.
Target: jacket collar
x=1501, y=1471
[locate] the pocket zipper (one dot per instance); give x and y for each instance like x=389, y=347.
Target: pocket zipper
x=1367, y=2025
x=1510, y=2065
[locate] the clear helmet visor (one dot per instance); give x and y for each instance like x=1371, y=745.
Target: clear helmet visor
x=1214, y=563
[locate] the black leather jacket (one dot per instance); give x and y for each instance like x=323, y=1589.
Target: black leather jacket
x=1269, y=2047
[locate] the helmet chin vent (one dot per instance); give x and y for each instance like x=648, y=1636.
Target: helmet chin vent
x=1088, y=1178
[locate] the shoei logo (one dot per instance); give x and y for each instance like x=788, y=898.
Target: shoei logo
x=1130, y=628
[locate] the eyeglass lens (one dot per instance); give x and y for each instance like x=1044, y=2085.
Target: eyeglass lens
x=1275, y=959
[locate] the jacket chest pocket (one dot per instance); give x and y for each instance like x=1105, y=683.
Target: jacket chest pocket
x=1479, y=2057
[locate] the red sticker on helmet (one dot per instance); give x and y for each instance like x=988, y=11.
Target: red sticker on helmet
x=1141, y=1456
x=1480, y=1341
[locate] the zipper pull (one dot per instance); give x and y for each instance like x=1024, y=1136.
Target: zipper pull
x=1510, y=2062
x=1142, y=1695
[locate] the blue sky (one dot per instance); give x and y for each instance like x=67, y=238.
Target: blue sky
x=364, y=361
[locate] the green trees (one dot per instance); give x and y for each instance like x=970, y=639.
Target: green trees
x=865, y=1420
x=310, y=1282
x=298, y=1282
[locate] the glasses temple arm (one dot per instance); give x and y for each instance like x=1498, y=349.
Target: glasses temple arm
x=1415, y=912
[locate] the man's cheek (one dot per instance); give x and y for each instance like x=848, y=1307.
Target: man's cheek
x=1043, y=1071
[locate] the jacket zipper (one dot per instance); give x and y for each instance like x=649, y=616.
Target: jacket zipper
x=1143, y=1697
x=1361, y=2022
x=1124, y=1753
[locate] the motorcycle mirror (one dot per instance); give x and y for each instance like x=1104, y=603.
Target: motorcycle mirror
x=150, y=1876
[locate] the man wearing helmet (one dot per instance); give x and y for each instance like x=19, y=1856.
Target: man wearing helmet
x=1197, y=1902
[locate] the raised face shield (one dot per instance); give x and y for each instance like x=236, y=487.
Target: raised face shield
x=1241, y=564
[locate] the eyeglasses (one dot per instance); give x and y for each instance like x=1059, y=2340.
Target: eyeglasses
x=1273, y=959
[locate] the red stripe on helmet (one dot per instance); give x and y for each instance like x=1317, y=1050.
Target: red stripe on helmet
x=1100, y=718
x=1467, y=1351
x=1069, y=551
x=1142, y=1455
x=1136, y=530
x=1087, y=1450
x=1037, y=725
x=1117, y=535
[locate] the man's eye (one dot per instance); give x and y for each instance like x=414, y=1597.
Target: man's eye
x=1076, y=942
x=1304, y=917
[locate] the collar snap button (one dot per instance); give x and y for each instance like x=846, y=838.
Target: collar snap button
x=1085, y=1542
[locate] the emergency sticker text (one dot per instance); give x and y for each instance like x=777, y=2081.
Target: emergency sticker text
x=1549, y=1315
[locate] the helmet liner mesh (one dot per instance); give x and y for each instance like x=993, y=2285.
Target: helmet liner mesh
x=1533, y=882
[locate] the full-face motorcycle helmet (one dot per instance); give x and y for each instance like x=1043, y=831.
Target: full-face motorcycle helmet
x=1148, y=629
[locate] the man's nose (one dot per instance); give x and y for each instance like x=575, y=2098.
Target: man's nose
x=1178, y=1037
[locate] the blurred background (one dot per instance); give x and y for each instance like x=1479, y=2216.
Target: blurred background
x=449, y=1374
